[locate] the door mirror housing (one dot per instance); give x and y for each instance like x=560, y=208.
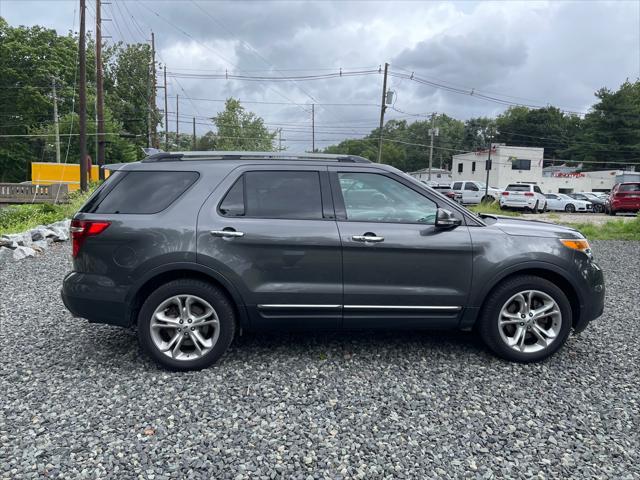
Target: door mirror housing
x=446, y=219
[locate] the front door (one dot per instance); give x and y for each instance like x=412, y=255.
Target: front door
x=471, y=193
x=398, y=268
x=271, y=232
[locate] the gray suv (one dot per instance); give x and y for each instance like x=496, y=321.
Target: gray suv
x=195, y=247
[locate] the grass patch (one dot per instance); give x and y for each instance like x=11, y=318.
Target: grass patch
x=19, y=218
x=611, y=230
x=493, y=209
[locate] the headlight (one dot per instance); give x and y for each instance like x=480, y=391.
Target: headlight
x=580, y=244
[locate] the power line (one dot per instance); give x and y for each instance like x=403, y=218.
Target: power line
x=188, y=35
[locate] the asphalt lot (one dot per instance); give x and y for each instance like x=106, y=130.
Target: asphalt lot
x=80, y=401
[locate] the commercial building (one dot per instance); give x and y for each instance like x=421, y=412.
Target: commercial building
x=508, y=165
x=511, y=164
x=437, y=175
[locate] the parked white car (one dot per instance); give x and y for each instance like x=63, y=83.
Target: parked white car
x=474, y=192
x=562, y=202
x=525, y=196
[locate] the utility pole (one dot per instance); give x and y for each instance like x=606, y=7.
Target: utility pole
x=194, y=135
x=177, y=117
x=166, y=112
x=152, y=101
x=99, y=92
x=432, y=132
x=488, y=168
x=383, y=107
x=82, y=107
x=55, y=119
x=313, y=127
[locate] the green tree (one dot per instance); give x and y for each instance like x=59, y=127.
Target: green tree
x=238, y=129
x=549, y=128
x=127, y=90
x=207, y=142
x=30, y=59
x=610, y=133
x=477, y=132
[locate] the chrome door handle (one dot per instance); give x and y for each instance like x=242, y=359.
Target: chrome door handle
x=226, y=233
x=367, y=238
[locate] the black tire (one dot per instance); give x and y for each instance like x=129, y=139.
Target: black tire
x=502, y=207
x=206, y=291
x=488, y=326
x=535, y=207
x=570, y=208
x=598, y=208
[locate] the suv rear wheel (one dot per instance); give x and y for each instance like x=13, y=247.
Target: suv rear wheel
x=525, y=319
x=186, y=324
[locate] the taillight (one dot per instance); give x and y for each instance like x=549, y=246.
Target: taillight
x=82, y=229
x=505, y=194
x=528, y=194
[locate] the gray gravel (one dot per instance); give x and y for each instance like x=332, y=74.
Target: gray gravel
x=80, y=401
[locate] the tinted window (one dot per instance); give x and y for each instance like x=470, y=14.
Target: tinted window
x=537, y=189
x=520, y=164
x=102, y=191
x=370, y=197
x=551, y=196
x=473, y=166
x=279, y=194
x=457, y=186
x=631, y=187
x=518, y=188
x=233, y=203
x=144, y=192
x=470, y=186
x=460, y=167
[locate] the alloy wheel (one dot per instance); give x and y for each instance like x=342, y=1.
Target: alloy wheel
x=184, y=327
x=530, y=321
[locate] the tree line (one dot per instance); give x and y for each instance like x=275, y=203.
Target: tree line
x=608, y=136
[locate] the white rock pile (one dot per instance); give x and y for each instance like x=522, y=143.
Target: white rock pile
x=17, y=246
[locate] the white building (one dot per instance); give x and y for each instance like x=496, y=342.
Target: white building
x=437, y=175
x=524, y=164
x=508, y=165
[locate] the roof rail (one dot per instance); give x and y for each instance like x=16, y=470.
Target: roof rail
x=216, y=155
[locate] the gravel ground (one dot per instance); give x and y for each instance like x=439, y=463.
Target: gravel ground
x=80, y=401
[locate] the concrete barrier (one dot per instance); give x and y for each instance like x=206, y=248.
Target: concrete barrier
x=26, y=193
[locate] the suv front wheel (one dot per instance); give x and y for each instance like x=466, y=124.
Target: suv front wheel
x=525, y=319
x=186, y=324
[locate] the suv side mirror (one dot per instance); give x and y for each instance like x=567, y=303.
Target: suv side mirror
x=445, y=219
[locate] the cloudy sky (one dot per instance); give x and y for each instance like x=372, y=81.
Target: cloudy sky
x=535, y=53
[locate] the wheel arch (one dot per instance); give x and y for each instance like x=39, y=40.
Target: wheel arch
x=161, y=275
x=547, y=271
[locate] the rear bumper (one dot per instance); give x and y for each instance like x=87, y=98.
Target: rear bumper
x=625, y=206
x=518, y=204
x=95, y=298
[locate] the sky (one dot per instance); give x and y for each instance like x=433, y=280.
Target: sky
x=535, y=53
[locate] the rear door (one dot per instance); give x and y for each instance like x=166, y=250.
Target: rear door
x=270, y=230
x=398, y=268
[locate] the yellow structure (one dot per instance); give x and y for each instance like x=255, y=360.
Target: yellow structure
x=46, y=173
